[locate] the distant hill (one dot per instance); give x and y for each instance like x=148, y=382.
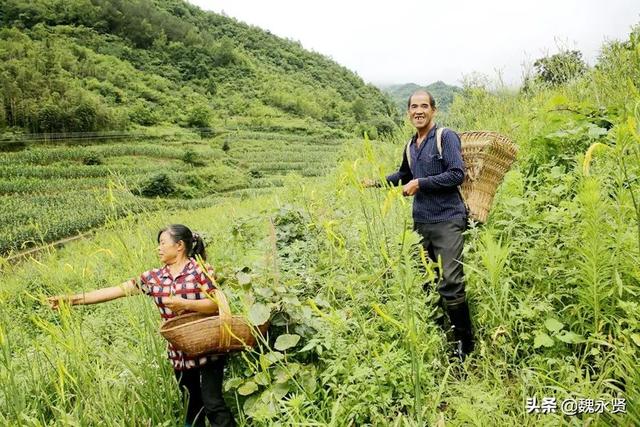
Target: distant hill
x=442, y=92
x=94, y=65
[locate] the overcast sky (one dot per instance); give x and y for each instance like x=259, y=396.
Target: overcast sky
x=402, y=41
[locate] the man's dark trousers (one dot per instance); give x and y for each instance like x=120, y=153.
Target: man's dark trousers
x=446, y=240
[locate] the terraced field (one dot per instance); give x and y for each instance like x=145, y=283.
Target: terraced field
x=48, y=192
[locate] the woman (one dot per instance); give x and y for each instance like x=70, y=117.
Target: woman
x=179, y=286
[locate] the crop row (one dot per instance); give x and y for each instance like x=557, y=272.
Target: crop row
x=79, y=171
x=44, y=218
x=35, y=185
x=46, y=156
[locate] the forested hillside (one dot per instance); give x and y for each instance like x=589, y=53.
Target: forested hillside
x=93, y=65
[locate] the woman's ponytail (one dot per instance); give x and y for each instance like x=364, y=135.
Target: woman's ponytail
x=197, y=248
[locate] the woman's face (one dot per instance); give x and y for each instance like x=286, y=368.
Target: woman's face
x=168, y=250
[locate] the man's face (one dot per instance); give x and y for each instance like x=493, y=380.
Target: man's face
x=420, y=111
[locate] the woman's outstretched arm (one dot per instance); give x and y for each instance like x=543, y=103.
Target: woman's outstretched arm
x=125, y=289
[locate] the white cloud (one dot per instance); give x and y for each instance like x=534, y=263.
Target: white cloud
x=424, y=41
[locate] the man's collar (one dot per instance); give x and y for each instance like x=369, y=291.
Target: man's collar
x=429, y=134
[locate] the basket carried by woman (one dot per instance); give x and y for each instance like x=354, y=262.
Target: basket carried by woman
x=199, y=333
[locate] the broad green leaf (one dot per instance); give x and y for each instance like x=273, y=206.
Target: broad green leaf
x=286, y=341
x=259, y=313
x=249, y=404
x=262, y=378
x=542, y=339
x=558, y=100
x=275, y=393
x=243, y=278
x=596, y=131
x=309, y=379
x=274, y=356
x=232, y=383
x=553, y=325
x=265, y=362
x=284, y=373
x=247, y=388
x=570, y=337
x=636, y=339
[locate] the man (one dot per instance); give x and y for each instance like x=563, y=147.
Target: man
x=439, y=212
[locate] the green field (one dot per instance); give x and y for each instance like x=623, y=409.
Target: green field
x=52, y=191
x=259, y=146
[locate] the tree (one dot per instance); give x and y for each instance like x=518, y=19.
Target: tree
x=559, y=68
x=199, y=116
x=359, y=108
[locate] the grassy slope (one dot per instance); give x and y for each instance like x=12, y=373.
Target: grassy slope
x=370, y=352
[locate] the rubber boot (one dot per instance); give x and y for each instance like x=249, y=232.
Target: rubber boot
x=460, y=318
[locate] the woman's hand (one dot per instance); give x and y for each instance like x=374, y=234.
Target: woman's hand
x=54, y=302
x=176, y=304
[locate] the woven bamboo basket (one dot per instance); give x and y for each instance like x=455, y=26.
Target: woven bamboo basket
x=487, y=157
x=199, y=333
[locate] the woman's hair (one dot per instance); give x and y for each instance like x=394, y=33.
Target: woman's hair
x=193, y=242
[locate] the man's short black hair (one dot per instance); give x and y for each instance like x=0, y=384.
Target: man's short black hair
x=432, y=101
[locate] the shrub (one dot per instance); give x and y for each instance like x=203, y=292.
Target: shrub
x=198, y=116
x=190, y=157
x=142, y=114
x=92, y=159
x=159, y=185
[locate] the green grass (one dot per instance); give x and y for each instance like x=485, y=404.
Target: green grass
x=344, y=274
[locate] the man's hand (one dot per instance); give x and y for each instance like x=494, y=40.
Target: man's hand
x=176, y=304
x=410, y=188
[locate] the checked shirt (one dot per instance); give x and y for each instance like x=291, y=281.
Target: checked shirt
x=192, y=283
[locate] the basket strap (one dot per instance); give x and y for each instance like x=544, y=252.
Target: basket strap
x=407, y=151
x=439, y=133
x=224, y=313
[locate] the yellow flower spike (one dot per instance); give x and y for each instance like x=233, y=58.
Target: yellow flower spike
x=398, y=193
x=423, y=257
x=60, y=385
x=315, y=308
x=386, y=317
x=388, y=200
x=634, y=128
x=105, y=250
x=385, y=255
x=588, y=155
